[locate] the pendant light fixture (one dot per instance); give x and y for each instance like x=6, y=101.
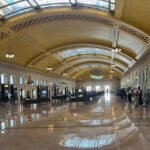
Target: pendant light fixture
x=116, y=50
x=9, y=53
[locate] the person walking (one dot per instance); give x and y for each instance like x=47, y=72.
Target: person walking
x=136, y=97
x=140, y=96
x=146, y=98
x=130, y=95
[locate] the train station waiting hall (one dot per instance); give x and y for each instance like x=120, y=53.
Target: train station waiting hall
x=74, y=74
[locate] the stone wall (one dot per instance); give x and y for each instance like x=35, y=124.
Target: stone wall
x=35, y=75
x=114, y=84
x=138, y=75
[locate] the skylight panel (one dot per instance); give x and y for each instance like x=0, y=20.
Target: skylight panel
x=95, y=2
x=33, y=2
x=66, y=54
x=42, y=2
x=83, y=66
x=18, y=12
x=102, y=52
x=6, y=2
x=14, y=7
x=85, y=51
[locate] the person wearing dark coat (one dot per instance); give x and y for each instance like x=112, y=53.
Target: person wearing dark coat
x=140, y=96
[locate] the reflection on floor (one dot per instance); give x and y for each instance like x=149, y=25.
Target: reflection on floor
x=107, y=123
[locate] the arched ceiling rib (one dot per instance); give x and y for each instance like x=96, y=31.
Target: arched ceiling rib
x=99, y=65
x=87, y=58
x=127, y=57
x=66, y=65
x=87, y=71
x=126, y=10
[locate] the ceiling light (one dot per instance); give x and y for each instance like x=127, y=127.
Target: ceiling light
x=116, y=50
x=113, y=65
x=63, y=82
x=64, y=74
x=30, y=80
x=111, y=71
x=49, y=68
x=9, y=53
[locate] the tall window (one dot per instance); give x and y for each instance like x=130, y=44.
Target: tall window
x=42, y=82
x=37, y=82
x=88, y=88
x=46, y=82
x=21, y=80
x=3, y=78
x=12, y=79
x=97, y=88
x=32, y=82
x=107, y=87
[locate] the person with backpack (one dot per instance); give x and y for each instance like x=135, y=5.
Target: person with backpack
x=140, y=96
x=136, y=97
x=130, y=95
x=146, y=98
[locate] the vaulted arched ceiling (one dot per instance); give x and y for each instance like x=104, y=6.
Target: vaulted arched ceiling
x=70, y=34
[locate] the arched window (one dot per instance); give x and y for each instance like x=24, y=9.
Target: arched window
x=37, y=82
x=46, y=83
x=3, y=78
x=32, y=81
x=41, y=82
x=12, y=79
x=22, y=80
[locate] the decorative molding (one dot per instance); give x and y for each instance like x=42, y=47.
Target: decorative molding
x=81, y=17
x=60, y=17
x=23, y=70
x=73, y=46
x=135, y=32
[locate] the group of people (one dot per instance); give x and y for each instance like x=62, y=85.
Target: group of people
x=135, y=95
x=9, y=98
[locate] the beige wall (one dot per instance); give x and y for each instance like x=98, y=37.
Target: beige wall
x=114, y=84
x=138, y=75
x=20, y=71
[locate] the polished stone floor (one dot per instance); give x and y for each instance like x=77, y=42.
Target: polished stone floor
x=107, y=123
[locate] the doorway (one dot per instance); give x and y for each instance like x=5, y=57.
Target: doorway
x=107, y=88
x=88, y=88
x=97, y=88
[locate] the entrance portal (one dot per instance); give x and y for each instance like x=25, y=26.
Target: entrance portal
x=107, y=88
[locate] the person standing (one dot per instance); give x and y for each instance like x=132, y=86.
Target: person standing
x=146, y=98
x=12, y=101
x=130, y=95
x=136, y=97
x=140, y=96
